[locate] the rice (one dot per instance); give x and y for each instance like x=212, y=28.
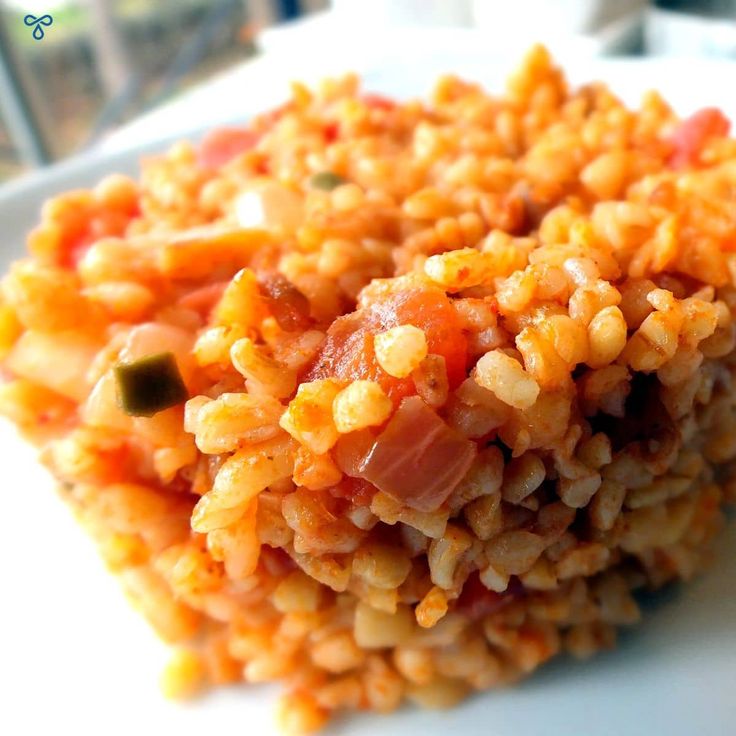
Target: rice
x=460, y=381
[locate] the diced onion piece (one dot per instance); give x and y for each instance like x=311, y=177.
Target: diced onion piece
x=418, y=460
x=693, y=133
x=102, y=409
x=352, y=449
x=58, y=362
x=269, y=204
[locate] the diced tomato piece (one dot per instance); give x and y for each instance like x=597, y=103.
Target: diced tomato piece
x=348, y=351
x=331, y=131
x=70, y=255
x=476, y=601
x=203, y=299
x=76, y=242
x=74, y=224
x=112, y=465
x=693, y=133
x=265, y=120
x=224, y=144
x=431, y=311
x=110, y=223
x=379, y=102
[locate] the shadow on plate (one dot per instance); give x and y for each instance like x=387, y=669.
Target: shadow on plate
x=680, y=622
x=694, y=615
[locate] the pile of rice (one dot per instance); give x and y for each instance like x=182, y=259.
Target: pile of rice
x=460, y=378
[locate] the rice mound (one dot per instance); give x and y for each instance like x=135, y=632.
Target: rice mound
x=460, y=378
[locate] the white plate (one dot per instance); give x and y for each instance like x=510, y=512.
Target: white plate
x=74, y=658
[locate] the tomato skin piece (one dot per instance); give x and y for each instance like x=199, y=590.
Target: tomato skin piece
x=76, y=243
x=348, y=352
x=204, y=299
x=432, y=311
x=476, y=601
x=266, y=120
x=223, y=144
x=378, y=102
x=694, y=132
x=286, y=303
x=72, y=253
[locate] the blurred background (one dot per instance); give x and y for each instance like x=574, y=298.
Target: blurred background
x=80, y=74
